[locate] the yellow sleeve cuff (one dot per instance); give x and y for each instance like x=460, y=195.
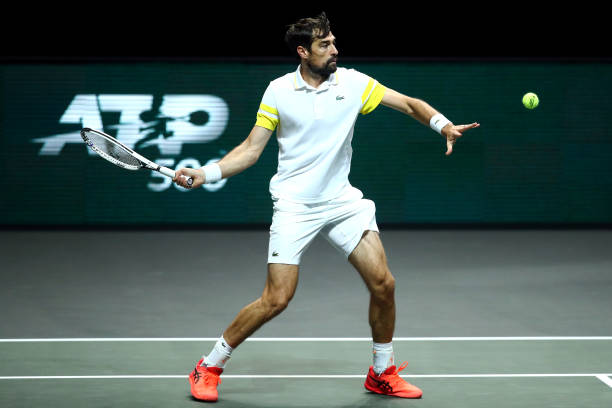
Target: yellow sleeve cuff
x=374, y=99
x=268, y=109
x=266, y=121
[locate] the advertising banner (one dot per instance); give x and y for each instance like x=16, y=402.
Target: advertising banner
x=551, y=164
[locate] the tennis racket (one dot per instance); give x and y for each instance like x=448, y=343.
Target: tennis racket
x=119, y=154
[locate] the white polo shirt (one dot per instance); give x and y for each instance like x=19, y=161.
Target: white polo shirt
x=314, y=131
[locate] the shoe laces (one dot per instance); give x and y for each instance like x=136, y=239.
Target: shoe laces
x=401, y=367
x=212, y=379
x=395, y=378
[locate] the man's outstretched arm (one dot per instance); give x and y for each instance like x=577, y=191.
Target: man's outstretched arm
x=239, y=159
x=423, y=112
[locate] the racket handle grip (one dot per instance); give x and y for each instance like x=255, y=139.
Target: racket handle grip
x=172, y=174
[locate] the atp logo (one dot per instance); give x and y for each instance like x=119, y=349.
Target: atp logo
x=165, y=122
x=140, y=121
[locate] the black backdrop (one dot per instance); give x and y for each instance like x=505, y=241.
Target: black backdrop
x=163, y=30
x=120, y=32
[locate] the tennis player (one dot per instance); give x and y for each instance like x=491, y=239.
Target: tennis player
x=313, y=111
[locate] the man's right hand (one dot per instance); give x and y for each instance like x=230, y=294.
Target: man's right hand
x=196, y=174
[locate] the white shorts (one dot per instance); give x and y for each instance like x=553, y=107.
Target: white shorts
x=342, y=222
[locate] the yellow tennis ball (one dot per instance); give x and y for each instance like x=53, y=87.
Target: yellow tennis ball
x=530, y=100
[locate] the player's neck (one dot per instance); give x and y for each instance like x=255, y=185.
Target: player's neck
x=311, y=78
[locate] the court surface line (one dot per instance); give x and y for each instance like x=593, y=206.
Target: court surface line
x=605, y=379
x=305, y=339
x=304, y=376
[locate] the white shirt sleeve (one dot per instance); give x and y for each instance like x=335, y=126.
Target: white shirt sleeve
x=267, y=115
x=371, y=91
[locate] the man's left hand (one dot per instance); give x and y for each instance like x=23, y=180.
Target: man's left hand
x=453, y=132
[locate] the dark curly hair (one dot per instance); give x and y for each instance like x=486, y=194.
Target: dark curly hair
x=306, y=30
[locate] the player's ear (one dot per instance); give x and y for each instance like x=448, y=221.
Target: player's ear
x=302, y=52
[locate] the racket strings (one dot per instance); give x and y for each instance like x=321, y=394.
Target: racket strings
x=111, y=151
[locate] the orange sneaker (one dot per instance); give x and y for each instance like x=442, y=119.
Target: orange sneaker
x=390, y=383
x=204, y=381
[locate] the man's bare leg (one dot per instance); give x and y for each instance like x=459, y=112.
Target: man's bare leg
x=371, y=262
x=279, y=290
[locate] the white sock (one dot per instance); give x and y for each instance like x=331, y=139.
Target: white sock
x=219, y=355
x=383, y=356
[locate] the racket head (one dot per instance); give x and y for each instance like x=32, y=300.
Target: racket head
x=111, y=149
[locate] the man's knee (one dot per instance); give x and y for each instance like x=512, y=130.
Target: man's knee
x=383, y=288
x=280, y=288
x=275, y=303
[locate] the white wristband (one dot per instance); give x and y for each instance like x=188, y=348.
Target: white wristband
x=212, y=173
x=437, y=122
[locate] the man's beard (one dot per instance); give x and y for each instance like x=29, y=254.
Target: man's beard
x=326, y=70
